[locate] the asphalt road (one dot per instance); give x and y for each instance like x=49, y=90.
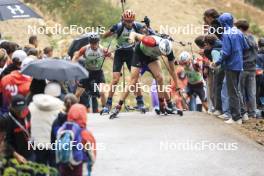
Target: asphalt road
x=193, y=145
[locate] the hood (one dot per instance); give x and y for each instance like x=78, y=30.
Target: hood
x=19, y=78
x=226, y=20
x=78, y=114
x=47, y=103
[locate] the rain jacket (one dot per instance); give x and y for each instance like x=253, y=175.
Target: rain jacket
x=78, y=114
x=234, y=44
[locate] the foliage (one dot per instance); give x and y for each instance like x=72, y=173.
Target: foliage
x=258, y=3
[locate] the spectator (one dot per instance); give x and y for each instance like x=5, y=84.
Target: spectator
x=3, y=59
x=211, y=18
x=234, y=43
x=18, y=129
x=32, y=43
x=33, y=53
x=214, y=45
x=69, y=100
x=259, y=72
x=78, y=115
x=13, y=84
x=17, y=58
x=44, y=109
x=10, y=48
x=48, y=52
x=248, y=76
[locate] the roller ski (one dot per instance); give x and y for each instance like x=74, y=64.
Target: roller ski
x=105, y=110
x=141, y=109
x=115, y=112
x=171, y=109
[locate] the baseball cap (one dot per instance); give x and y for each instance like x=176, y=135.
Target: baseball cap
x=19, y=54
x=18, y=102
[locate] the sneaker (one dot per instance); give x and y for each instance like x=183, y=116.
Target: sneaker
x=245, y=117
x=231, y=121
x=224, y=116
x=217, y=113
x=210, y=112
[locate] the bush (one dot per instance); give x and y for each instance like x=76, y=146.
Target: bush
x=258, y=3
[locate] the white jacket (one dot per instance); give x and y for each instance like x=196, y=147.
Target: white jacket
x=44, y=110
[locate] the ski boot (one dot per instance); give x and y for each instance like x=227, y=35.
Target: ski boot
x=169, y=108
x=115, y=112
x=105, y=110
x=172, y=109
x=141, y=108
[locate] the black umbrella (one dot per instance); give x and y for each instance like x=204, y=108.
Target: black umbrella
x=55, y=69
x=14, y=9
x=78, y=43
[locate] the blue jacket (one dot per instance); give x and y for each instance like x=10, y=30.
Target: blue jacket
x=234, y=44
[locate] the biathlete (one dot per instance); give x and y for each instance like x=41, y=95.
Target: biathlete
x=93, y=56
x=147, y=52
x=123, y=54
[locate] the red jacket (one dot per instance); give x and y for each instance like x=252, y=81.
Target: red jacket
x=13, y=84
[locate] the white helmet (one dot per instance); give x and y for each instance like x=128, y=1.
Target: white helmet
x=165, y=46
x=94, y=37
x=184, y=56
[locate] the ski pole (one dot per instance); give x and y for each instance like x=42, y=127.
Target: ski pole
x=106, y=51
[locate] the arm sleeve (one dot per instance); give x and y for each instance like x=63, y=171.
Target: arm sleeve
x=216, y=55
x=226, y=50
x=171, y=56
x=114, y=28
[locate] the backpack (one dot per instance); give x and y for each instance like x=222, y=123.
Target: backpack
x=69, y=134
x=120, y=27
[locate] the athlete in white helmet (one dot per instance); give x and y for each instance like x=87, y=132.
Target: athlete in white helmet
x=148, y=50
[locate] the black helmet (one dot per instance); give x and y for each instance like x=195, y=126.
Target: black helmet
x=261, y=42
x=94, y=37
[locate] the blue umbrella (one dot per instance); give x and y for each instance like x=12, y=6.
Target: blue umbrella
x=55, y=69
x=14, y=9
